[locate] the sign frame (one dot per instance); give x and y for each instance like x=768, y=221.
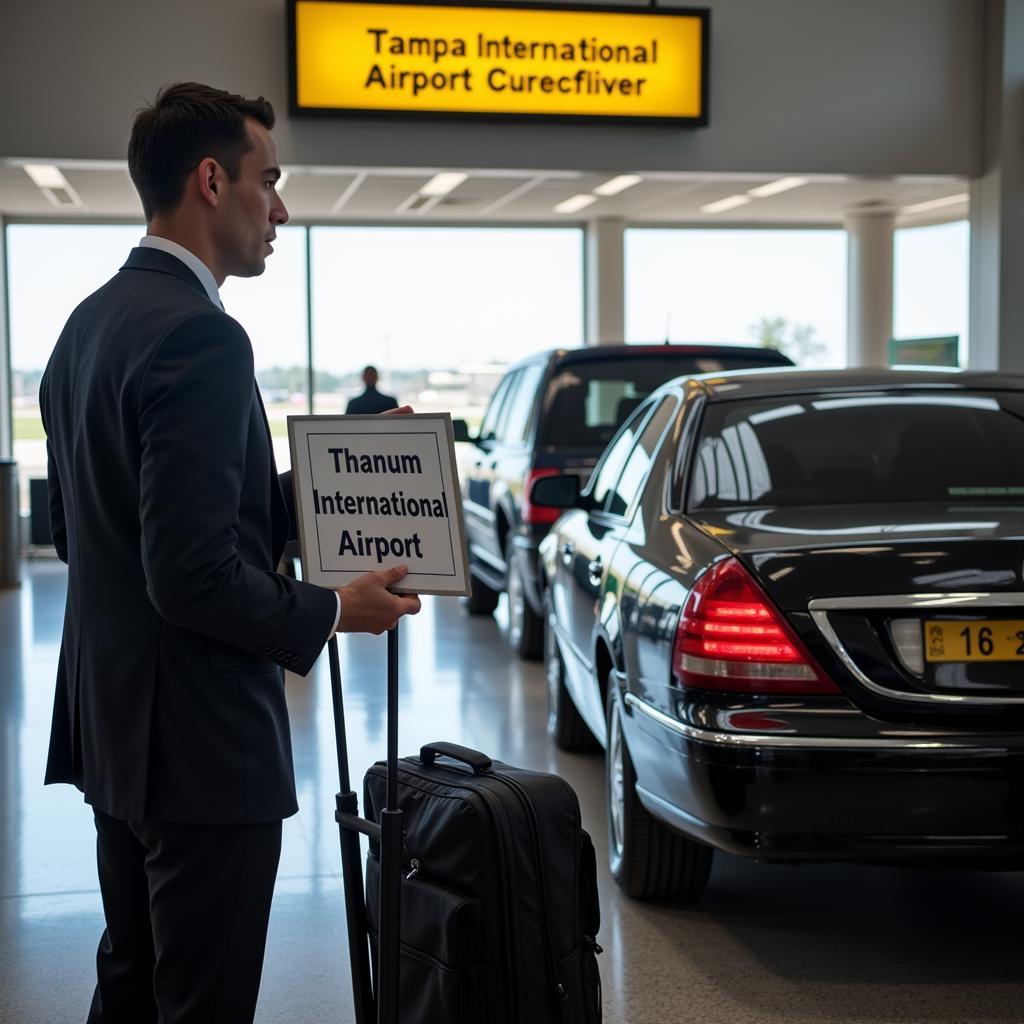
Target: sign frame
x=393, y=423
x=325, y=113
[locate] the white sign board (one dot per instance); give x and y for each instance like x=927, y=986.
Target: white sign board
x=373, y=492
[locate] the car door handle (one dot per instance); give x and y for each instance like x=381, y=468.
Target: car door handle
x=567, y=552
x=595, y=570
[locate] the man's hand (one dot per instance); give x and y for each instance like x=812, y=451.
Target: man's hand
x=367, y=606
x=402, y=410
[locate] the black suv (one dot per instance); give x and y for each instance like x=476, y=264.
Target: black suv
x=554, y=413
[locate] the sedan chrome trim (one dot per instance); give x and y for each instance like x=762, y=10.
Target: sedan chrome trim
x=820, y=607
x=744, y=740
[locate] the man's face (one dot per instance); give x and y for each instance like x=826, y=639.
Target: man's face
x=250, y=208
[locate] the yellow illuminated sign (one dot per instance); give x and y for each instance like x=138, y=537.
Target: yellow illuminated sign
x=471, y=59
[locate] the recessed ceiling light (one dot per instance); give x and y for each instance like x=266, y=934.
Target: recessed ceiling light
x=46, y=175
x=729, y=203
x=614, y=186
x=937, y=204
x=773, y=188
x=442, y=184
x=575, y=203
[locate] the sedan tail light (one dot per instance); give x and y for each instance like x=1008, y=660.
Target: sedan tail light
x=730, y=637
x=538, y=515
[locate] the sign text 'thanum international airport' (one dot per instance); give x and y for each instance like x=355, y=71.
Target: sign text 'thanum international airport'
x=633, y=64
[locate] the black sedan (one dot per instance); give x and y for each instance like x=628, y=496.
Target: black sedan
x=790, y=607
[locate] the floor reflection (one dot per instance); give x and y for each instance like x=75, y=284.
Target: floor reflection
x=766, y=944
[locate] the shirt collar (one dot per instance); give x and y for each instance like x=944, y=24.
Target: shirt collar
x=193, y=262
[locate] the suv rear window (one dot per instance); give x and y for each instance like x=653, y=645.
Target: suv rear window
x=843, y=449
x=588, y=400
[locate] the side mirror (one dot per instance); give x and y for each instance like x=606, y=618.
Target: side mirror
x=461, y=430
x=556, y=491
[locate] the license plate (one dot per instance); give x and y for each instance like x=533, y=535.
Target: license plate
x=977, y=640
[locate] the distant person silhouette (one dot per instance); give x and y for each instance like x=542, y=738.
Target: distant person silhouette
x=371, y=400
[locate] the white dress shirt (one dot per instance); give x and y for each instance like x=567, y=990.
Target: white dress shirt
x=207, y=280
x=190, y=259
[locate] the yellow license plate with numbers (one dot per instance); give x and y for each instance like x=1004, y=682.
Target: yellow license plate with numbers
x=975, y=640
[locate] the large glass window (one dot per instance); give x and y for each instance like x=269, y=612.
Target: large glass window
x=441, y=312
x=51, y=268
x=786, y=288
x=272, y=309
x=932, y=275
x=435, y=308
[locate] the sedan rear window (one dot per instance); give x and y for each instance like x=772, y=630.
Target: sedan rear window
x=587, y=401
x=843, y=449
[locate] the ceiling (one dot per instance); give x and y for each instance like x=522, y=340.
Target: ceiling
x=104, y=190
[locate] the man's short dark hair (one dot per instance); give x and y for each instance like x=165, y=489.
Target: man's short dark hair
x=370, y=369
x=187, y=123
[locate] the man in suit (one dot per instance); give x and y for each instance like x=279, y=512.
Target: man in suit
x=170, y=709
x=371, y=400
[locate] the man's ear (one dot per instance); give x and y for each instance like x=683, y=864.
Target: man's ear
x=208, y=175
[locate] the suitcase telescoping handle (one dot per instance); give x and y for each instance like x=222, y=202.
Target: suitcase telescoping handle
x=480, y=763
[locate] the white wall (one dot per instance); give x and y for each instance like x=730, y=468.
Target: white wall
x=844, y=86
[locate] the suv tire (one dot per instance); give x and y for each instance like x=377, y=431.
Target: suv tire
x=566, y=726
x=646, y=859
x=525, y=626
x=482, y=599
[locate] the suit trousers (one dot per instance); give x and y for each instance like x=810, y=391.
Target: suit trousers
x=187, y=908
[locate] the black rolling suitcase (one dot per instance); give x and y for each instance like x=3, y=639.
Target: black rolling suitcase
x=499, y=900
x=481, y=890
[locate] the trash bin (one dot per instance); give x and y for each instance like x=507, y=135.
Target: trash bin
x=10, y=525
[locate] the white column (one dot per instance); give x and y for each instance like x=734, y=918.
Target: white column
x=869, y=287
x=997, y=200
x=606, y=281
x=6, y=421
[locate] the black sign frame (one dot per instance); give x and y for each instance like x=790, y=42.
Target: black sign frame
x=327, y=113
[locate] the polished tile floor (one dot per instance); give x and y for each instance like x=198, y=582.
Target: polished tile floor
x=768, y=944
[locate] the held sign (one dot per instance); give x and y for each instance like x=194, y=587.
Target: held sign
x=373, y=492
x=478, y=59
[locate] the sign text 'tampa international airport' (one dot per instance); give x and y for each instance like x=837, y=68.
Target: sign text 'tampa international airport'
x=535, y=62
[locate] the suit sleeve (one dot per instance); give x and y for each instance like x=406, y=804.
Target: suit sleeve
x=195, y=402
x=55, y=496
x=58, y=525
x=288, y=489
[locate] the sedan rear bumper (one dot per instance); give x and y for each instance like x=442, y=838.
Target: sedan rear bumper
x=784, y=798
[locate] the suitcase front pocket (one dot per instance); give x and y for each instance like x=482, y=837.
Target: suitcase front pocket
x=442, y=951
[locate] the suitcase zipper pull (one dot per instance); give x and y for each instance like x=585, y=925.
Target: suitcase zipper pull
x=415, y=869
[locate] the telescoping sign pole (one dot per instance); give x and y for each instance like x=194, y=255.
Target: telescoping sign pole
x=372, y=492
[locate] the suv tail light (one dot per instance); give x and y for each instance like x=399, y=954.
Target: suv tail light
x=538, y=515
x=730, y=637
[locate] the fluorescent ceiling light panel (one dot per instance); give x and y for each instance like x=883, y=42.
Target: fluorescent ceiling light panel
x=575, y=203
x=729, y=203
x=46, y=175
x=614, y=186
x=442, y=184
x=937, y=204
x=773, y=188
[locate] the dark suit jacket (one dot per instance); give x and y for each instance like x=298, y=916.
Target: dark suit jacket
x=167, y=507
x=371, y=401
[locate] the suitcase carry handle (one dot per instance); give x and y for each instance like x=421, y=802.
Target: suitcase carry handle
x=480, y=763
